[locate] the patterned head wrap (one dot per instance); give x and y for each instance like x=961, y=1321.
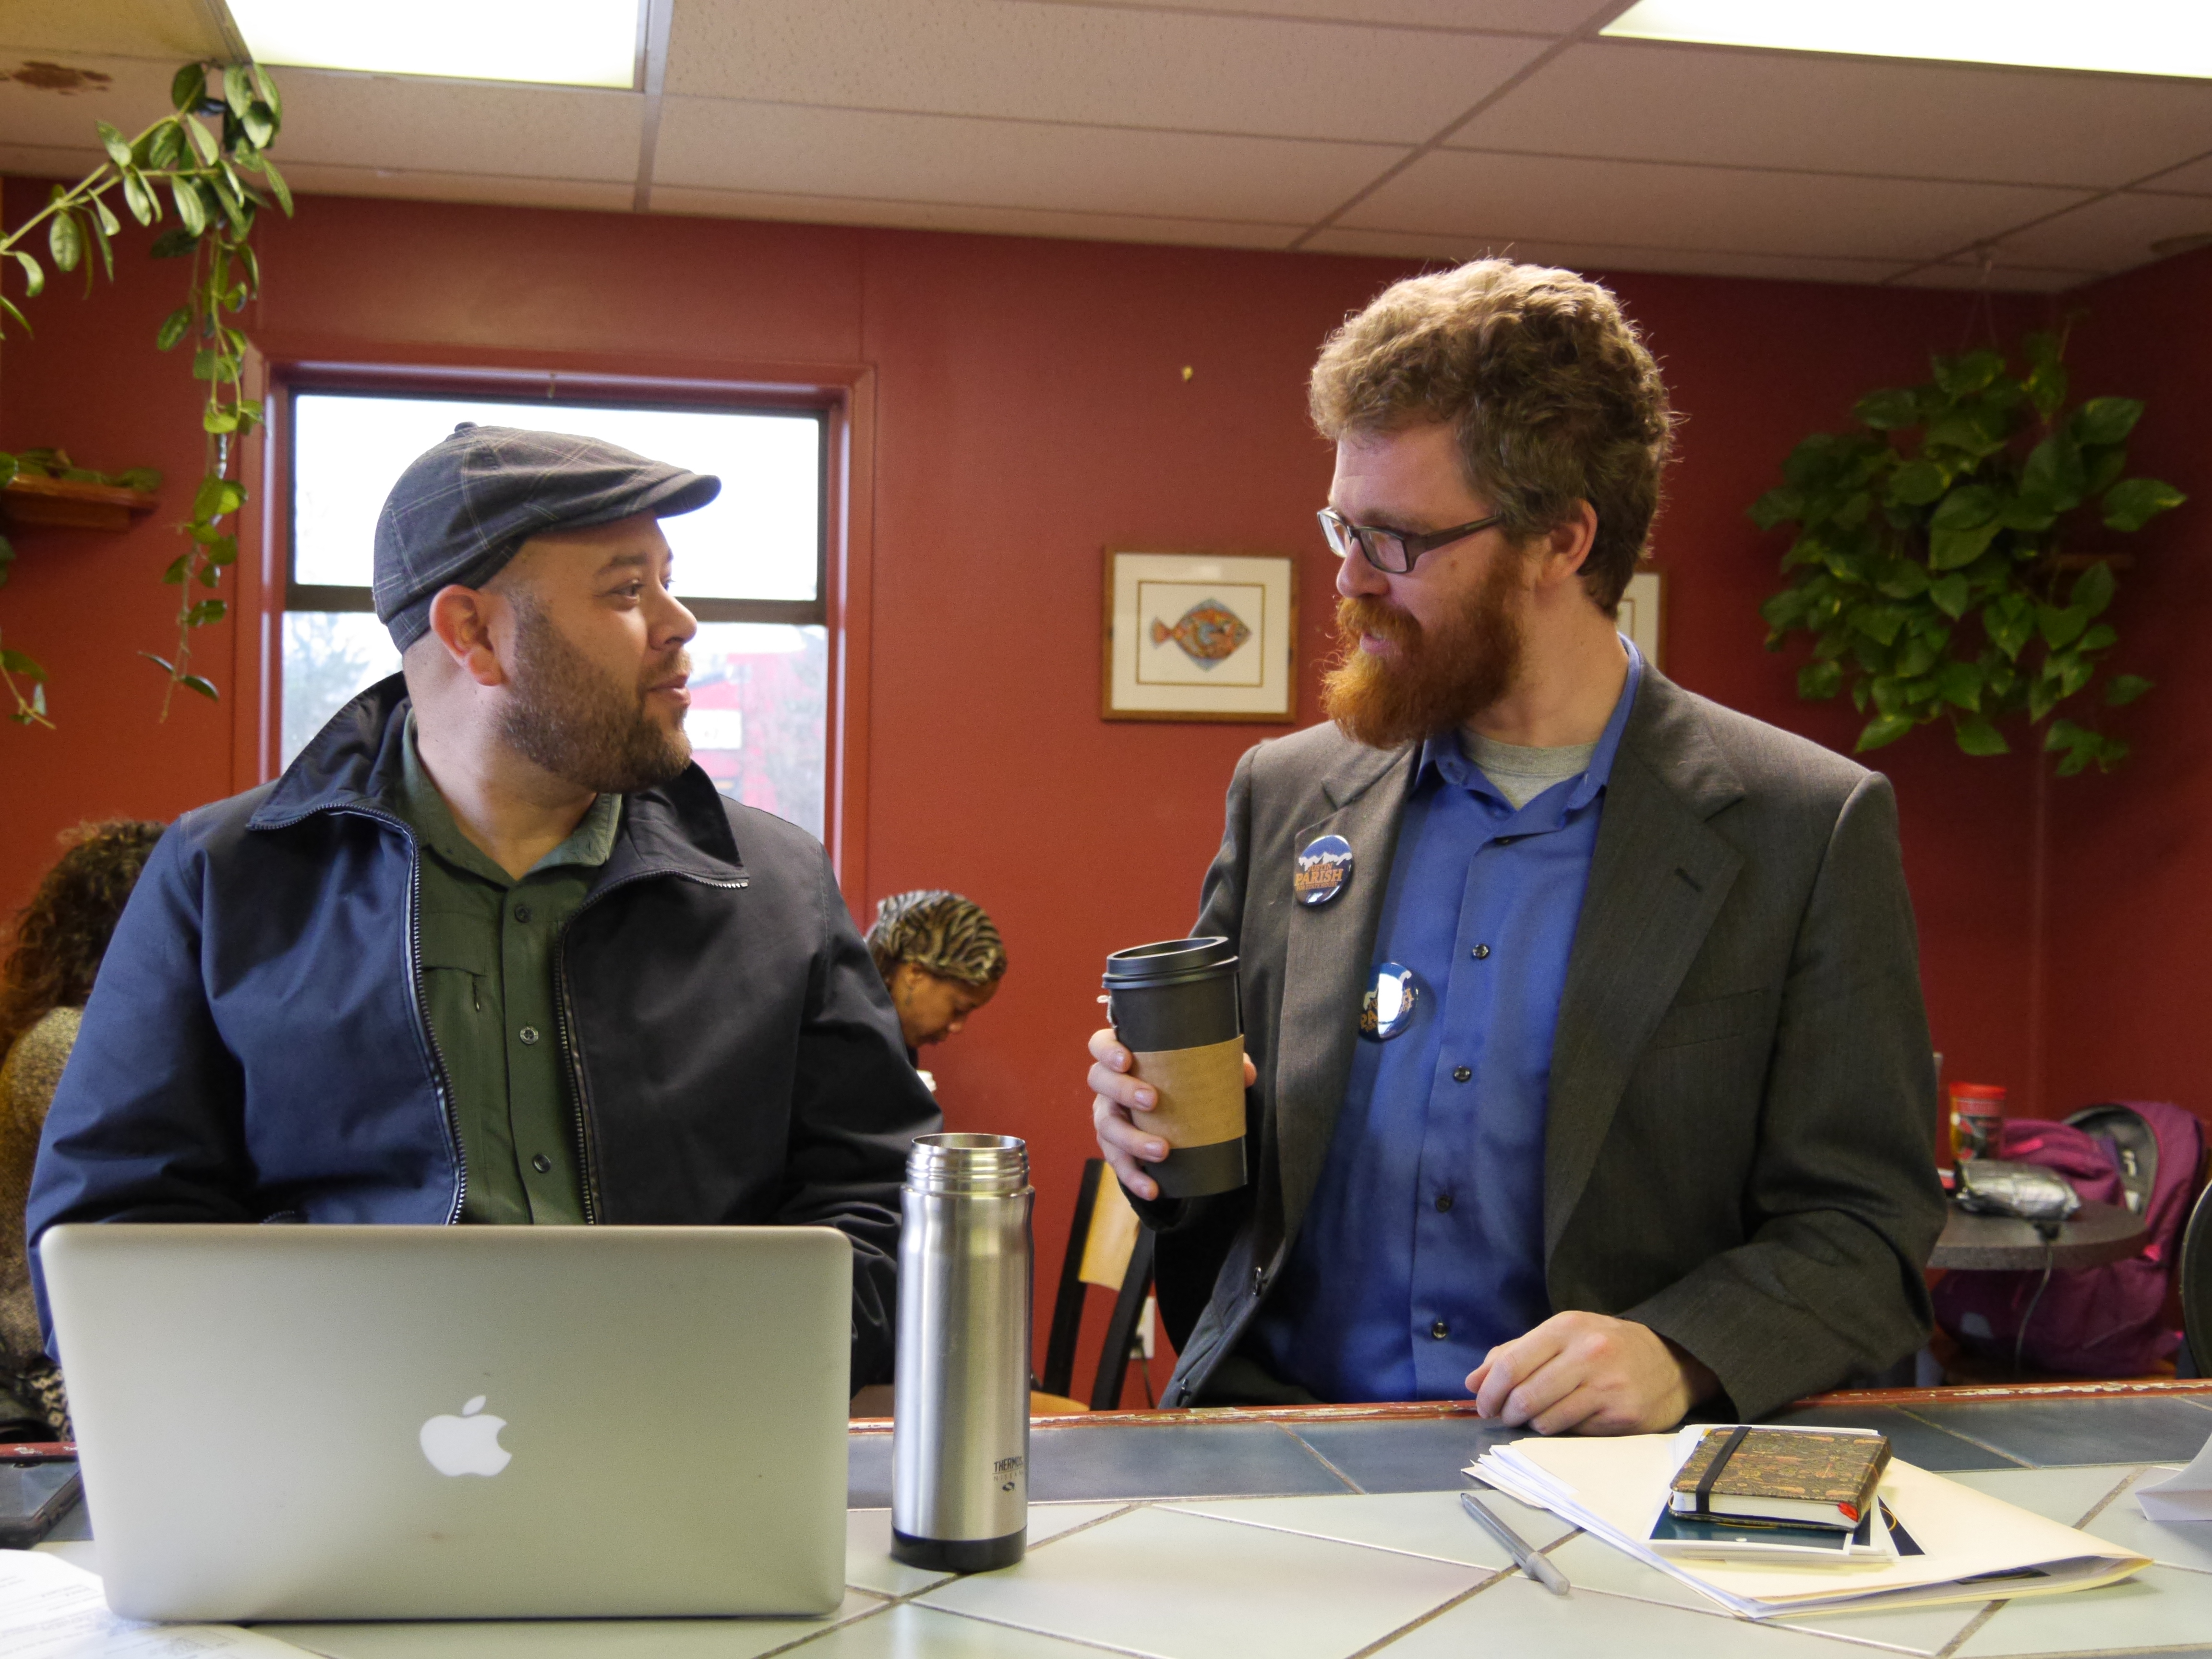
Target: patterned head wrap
x=939, y=932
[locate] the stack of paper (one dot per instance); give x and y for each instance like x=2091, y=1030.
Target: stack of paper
x=50, y=1610
x=1973, y=1547
x=2186, y=1496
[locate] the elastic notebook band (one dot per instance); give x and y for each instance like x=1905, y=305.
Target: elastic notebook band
x=1713, y=1471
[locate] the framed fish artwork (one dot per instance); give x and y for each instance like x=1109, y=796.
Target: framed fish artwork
x=1200, y=637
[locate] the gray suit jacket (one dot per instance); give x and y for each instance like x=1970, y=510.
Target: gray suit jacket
x=1739, y=1147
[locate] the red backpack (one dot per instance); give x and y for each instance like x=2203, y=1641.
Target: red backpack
x=2095, y=1321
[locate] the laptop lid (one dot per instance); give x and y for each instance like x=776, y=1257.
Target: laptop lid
x=340, y=1422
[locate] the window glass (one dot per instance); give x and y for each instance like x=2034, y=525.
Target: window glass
x=759, y=539
x=758, y=720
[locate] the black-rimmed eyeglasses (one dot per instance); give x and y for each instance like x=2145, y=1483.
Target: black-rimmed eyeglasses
x=1392, y=551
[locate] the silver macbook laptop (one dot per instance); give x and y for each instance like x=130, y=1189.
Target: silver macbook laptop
x=458, y=1422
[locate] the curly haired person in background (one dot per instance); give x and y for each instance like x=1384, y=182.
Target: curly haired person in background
x=59, y=938
x=941, y=957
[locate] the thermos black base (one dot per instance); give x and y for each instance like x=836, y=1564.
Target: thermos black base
x=1198, y=1171
x=959, y=1554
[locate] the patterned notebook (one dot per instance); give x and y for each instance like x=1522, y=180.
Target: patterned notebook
x=1823, y=1477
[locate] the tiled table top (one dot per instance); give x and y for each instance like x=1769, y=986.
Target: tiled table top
x=1342, y=1538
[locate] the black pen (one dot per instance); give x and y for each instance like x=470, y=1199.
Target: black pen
x=1530, y=1561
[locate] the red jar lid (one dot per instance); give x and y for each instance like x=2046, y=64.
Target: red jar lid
x=1977, y=1091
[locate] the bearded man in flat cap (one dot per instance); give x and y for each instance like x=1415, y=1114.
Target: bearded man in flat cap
x=492, y=949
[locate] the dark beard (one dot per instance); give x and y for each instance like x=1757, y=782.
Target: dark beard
x=1436, y=679
x=566, y=717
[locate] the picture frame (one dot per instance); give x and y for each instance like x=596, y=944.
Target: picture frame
x=1643, y=615
x=1200, y=637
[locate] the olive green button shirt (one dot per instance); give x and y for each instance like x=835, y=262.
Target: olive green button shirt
x=488, y=943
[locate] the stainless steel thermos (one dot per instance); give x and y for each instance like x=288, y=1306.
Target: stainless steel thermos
x=960, y=1432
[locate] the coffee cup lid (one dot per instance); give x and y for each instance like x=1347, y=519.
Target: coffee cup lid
x=1166, y=961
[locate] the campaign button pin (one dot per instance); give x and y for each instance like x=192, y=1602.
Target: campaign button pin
x=1323, y=869
x=1388, y=1008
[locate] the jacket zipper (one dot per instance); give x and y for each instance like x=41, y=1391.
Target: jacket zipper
x=440, y=1079
x=564, y=1021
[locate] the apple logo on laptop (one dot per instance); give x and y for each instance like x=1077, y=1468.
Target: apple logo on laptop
x=467, y=1445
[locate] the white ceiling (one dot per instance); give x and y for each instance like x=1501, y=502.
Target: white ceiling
x=1426, y=128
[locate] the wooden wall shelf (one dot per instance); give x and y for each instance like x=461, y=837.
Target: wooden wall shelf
x=29, y=499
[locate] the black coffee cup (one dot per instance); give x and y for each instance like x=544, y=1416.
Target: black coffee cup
x=1174, y=1006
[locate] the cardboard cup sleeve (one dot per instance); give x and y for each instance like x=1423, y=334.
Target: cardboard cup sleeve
x=1200, y=1115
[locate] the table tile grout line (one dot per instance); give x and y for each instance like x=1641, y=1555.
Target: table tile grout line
x=1960, y=1434
x=1972, y=1626
x=1433, y=1613
x=1361, y=1543
x=2106, y=1502
x=1049, y=1634
x=1320, y=1457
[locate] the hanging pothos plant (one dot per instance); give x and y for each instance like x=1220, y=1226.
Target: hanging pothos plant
x=209, y=159
x=1932, y=563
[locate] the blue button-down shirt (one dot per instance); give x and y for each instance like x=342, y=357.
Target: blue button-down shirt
x=1423, y=1246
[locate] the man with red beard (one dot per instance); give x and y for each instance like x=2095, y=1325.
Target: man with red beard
x=493, y=950
x=1588, y=1070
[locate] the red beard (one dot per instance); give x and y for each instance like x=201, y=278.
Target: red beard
x=1436, y=679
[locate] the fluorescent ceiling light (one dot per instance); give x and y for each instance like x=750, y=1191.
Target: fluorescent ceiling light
x=576, y=43
x=2117, y=37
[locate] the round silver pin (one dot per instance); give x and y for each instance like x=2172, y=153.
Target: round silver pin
x=1388, y=1008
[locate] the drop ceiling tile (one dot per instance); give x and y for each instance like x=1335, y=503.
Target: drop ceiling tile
x=1104, y=65
x=728, y=145
x=1591, y=255
x=135, y=96
x=422, y=186
x=173, y=31
x=1530, y=16
x=2191, y=177
x=1662, y=206
x=1777, y=109
x=989, y=221
x=2007, y=278
x=457, y=126
x=2110, y=233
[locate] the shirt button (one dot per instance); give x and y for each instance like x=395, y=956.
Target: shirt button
x=1480, y=951
x=1440, y=1330
x=528, y=1034
x=541, y=1163
x=1443, y=1201
x=522, y=913
x=1461, y=1073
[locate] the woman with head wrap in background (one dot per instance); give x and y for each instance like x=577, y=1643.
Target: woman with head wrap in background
x=941, y=959
x=59, y=938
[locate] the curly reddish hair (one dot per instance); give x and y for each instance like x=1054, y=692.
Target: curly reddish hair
x=61, y=933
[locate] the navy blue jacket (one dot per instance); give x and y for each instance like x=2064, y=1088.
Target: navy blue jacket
x=255, y=1047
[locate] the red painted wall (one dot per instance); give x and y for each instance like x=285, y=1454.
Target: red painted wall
x=2130, y=898
x=1031, y=411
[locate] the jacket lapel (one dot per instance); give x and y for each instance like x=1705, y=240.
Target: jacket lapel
x=1657, y=878
x=1326, y=961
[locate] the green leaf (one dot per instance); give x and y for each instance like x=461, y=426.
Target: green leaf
x=2129, y=505
x=1781, y=610
x=1916, y=658
x=18, y=662
x=1902, y=579
x=2099, y=638
x=215, y=418
x=1960, y=685
x=205, y=688
x=217, y=496
x=117, y=146
x=1949, y=549
x=65, y=240
x=202, y=141
x=1968, y=507
x=2093, y=589
x=1885, y=411
x=265, y=84
x=1916, y=483
x=189, y=207
x=2024, y=512
x=2060, y=625
x=1966, y=429
x=139, y=477
x=139, y=199
x=237, y=89
x=1818, y=680
x=2072, y=671
x=1971, y=372
x=1977, y=737
x=188, y=90
x=1878, y=621
x=161, y=663
x=2042, y=697
x=206, y=611
x=221, y=551
x=2010, y=622
x=102, y=225
x=277, y=185
x=35, y=278
x=166, y=149
x=2124, y=689
x=1950, y=594
x=2105, y=420
x=10, y=467
x=2046, y=388
x=260, y=123
x=180, y=569
x=2055, y=476
x=174, y=327
x=1882, y=730
x=2102, y=469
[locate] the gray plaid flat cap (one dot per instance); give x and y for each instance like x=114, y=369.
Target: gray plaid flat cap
x=464, y=507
